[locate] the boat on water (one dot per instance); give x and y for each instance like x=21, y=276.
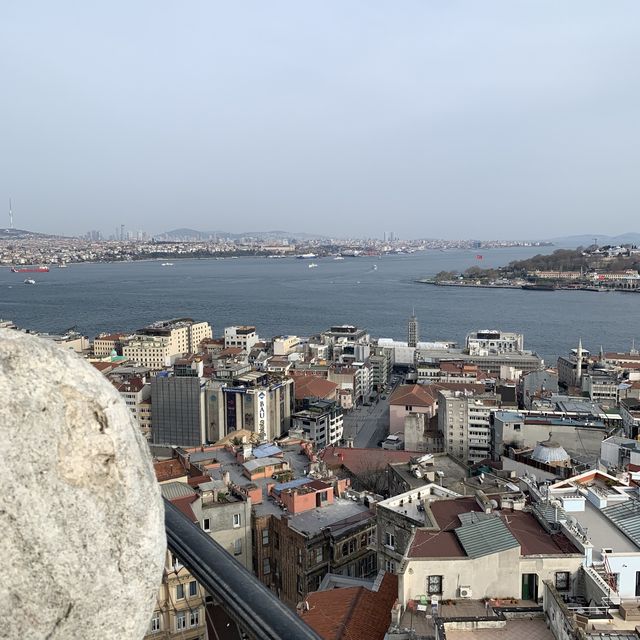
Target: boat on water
x=375, y=267
x=62, y=265
x=539, y=286
x=312, y=265
x=339, y=258
x=306, y=256
x=167, y=264
x=40, y=269
x=29, y=281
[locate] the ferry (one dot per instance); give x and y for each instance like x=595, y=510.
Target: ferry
x=40, y=269
x=306, y=256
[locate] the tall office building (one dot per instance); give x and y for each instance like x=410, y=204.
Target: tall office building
x=413, y=330
x=178, y=411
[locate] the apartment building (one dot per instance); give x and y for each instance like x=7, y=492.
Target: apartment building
x=243, y=336
x=184, y=334
x=136, y=393
x=321, y=422
x=106, y=344
x=465, y=422
x=449, y=546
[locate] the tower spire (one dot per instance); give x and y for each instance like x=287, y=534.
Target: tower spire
x=10, y=215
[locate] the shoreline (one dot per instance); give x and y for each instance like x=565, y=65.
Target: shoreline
x=469, y=285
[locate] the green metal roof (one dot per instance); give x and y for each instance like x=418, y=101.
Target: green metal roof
x=483, y=536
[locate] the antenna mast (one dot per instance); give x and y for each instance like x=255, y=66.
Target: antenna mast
x=10, y=215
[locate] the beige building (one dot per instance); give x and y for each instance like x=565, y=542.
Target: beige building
x=106, y=343
x=448, y=547
x=149, y=351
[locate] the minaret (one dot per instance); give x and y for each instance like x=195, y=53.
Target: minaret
x=412, y=330
x=579, y=363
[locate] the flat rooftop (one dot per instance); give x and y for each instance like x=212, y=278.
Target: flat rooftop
x=602, y=532
x=313, y=521
x=514, y=630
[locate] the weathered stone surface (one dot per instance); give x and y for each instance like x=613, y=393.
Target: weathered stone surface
x=81, y=518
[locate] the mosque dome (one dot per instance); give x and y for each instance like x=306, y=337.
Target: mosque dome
x=550, y=452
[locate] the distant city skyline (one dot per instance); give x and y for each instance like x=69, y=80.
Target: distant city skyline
x=492, y=120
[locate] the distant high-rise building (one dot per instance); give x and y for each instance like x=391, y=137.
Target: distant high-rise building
x=413, y=330
x=122, y=236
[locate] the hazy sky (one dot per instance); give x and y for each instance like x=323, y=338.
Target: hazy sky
x=433, y=118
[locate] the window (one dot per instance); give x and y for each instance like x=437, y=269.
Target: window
x=194, y=618
x=175, y=563
x=389, y=566
x=206, y=524
x=299, y=556
x=237, y=547
x=236, y=519
x=266, y=566
x=389, y=540
x=434, y=585
x=319, y=554
x=193, y=588
x=181, y=620
x=155, y=623
x=265, y=536
x=180, y=592
x=563, y=580
x=299, y=583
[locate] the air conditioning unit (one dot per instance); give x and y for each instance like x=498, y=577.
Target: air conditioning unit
x=465, y=592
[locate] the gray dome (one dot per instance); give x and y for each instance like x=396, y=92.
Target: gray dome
x=550, y=452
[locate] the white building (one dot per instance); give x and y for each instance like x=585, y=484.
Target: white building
x=489, y=341
x=321, y=421
x=240, y=336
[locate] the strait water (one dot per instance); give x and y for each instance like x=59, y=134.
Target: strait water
x=286, y=297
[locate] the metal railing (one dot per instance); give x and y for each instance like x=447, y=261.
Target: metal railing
x=253, y=607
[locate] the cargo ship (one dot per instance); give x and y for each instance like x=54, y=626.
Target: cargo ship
x=41, y=269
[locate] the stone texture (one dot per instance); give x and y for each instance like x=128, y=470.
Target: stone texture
x=81, y=517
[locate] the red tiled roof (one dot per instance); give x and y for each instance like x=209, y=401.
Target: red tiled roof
x=184, y=504
x=103, y=366
x=355, y=613
x=443, y=543
x=313, y=387
x=169, y=469
x=358, y=461
x=416, y=395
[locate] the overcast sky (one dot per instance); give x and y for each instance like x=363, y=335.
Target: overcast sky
x=433, y=118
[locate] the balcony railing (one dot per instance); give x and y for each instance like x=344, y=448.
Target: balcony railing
x=253, y=607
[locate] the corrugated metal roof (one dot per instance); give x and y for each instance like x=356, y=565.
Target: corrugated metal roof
x=173, y=490
x=252, y=465
x=266, y=450
x=485, y=536
x=626, y=516
x=292, y=484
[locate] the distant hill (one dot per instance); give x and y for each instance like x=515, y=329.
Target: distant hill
x=19, y=234
x=178, y=234
x=585, y=240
